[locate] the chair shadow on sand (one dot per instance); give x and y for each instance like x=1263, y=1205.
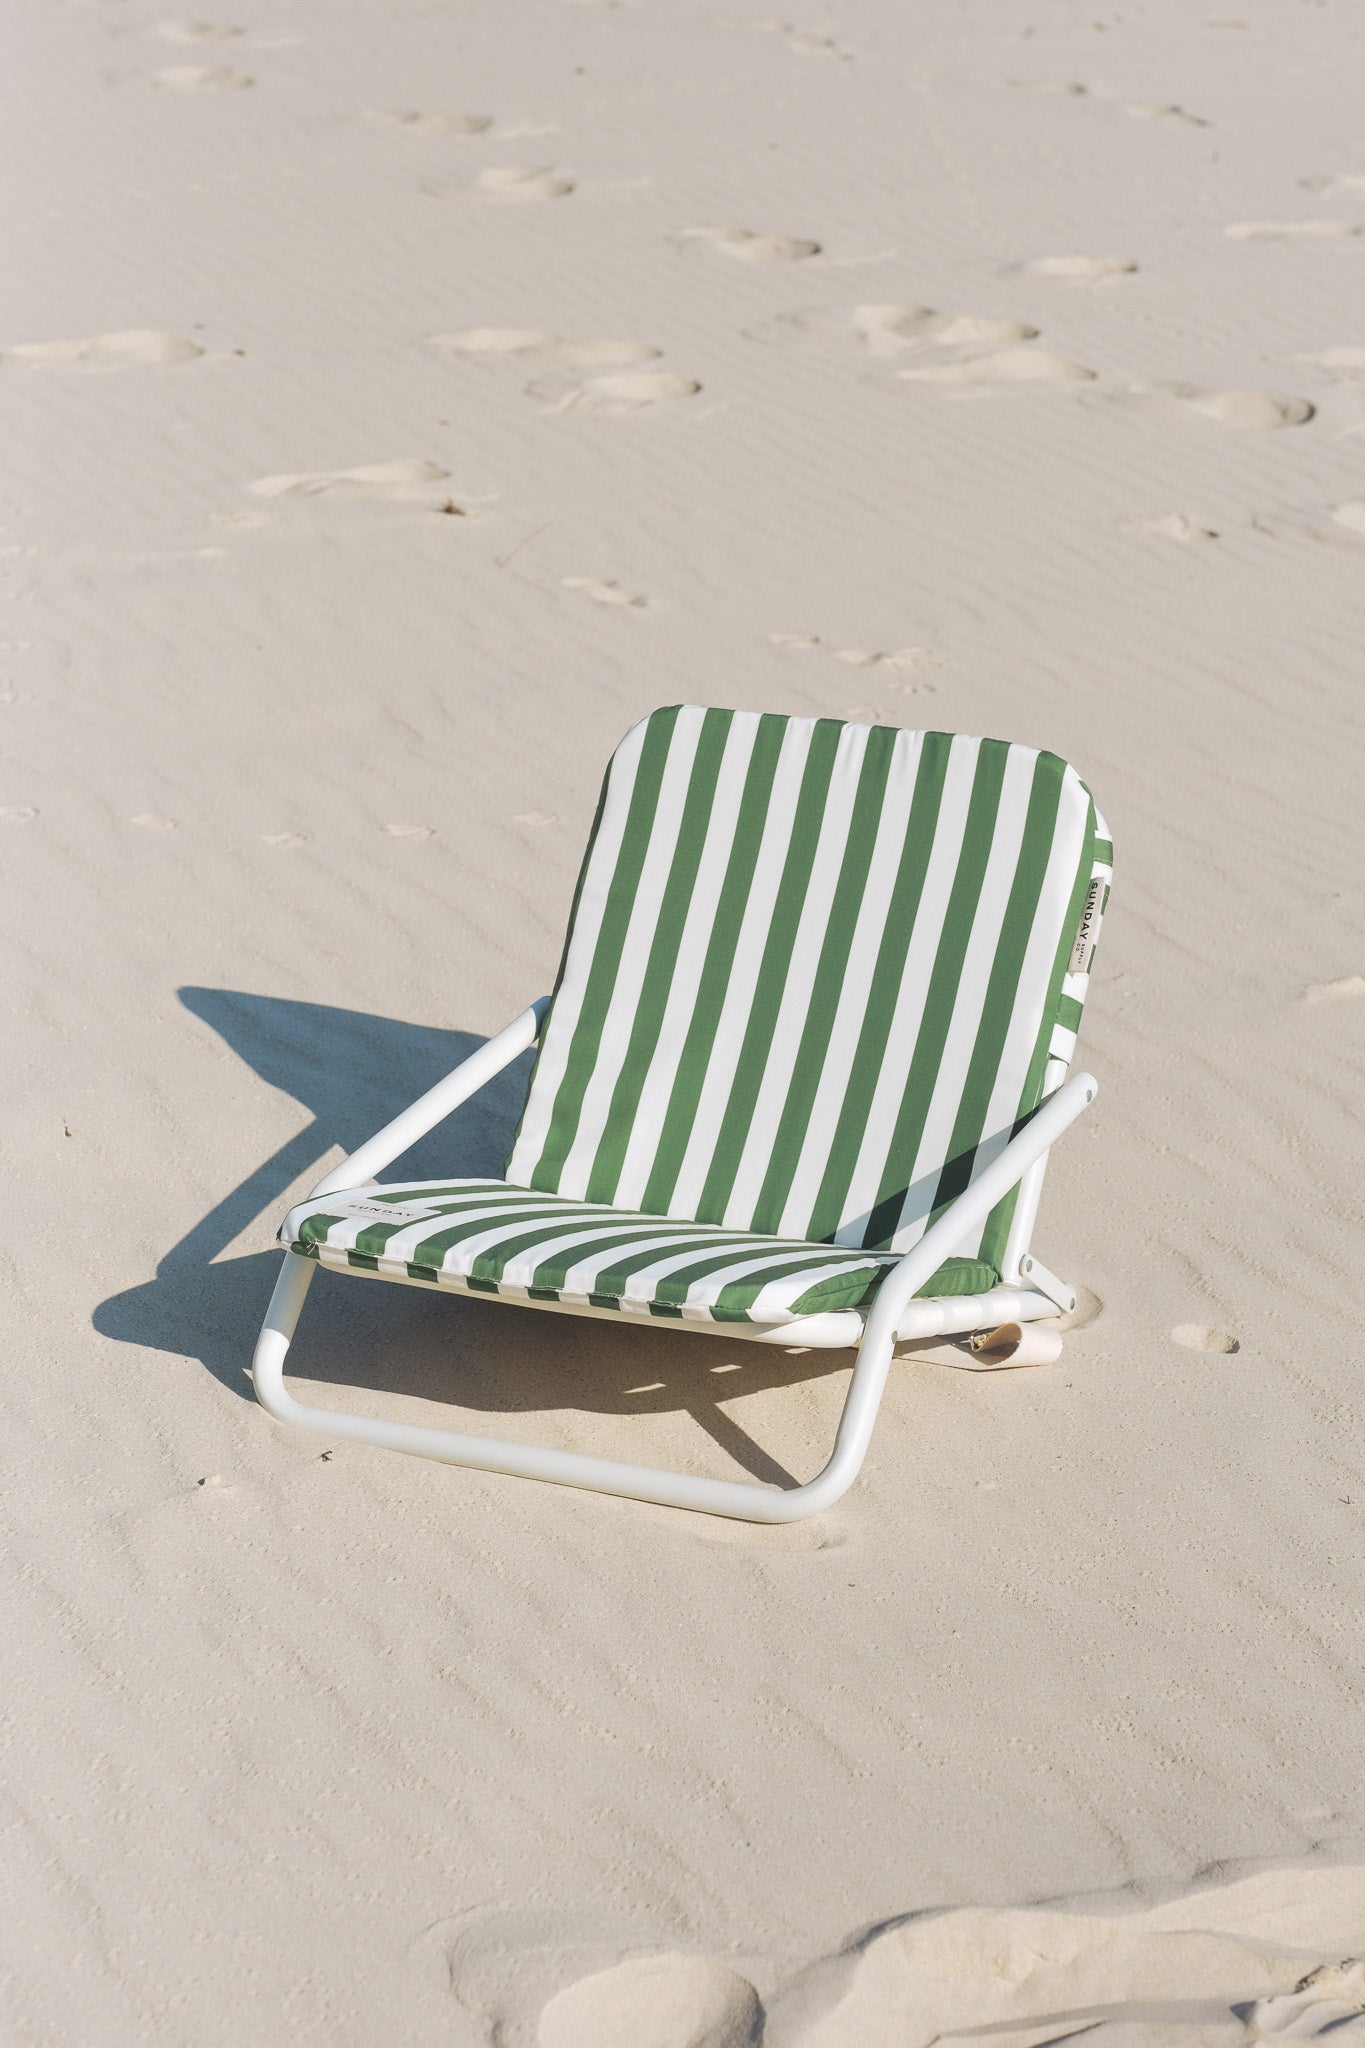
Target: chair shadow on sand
x=352, y=1072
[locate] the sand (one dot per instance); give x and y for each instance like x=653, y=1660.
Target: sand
x=397, y=402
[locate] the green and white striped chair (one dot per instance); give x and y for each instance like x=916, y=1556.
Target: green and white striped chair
x=796, y=1082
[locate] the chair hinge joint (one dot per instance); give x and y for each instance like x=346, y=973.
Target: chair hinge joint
x=1038, y=1277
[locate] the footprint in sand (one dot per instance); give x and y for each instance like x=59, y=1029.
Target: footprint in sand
x=284, y=839
x=875, y=657
x=411, y=831
x=1205, y=1337
x=1292, y=230
x=614, y=397
x=980, y=349
x=400, y=479
x=195, y=77
x=1347, y=365
x=895, y=660
x=664, y=2001
x=18, y=814
x=151, y=821
x=747, y=247
x=805, y=42
x=412, y=123
x=842, y=330
x=1265, y=409
x=1345, y=524
x=522, y=343
x=1339, y=526
x=1174, y=526
x=536, y=818
x=970, y=330
x=195, y=32
x=1344, y=185
x=887, y=330
x=1003, y=366
x=1050, y=88
x=1081, y=269
x=521, y=182
x=606, y=394
x=128, y=348
x=1169, y=112
x=606, y=592
x=1349, y=989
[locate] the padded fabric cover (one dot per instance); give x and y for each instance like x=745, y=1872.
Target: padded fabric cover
x=813, y=976
x=489, y=1238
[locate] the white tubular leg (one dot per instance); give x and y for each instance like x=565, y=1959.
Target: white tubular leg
x=494, y=1454
x=646, y=1482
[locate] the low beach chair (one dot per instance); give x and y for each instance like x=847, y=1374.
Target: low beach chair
x=796, y=1083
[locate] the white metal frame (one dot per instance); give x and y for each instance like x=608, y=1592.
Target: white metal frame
x=1027, y=1294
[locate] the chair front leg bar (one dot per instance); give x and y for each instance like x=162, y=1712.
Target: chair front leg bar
x=735, y=1498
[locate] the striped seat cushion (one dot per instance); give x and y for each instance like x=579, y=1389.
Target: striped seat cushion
x=495, y=1239
x=814, y=976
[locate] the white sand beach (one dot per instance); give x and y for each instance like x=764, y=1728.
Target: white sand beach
x=398, y=401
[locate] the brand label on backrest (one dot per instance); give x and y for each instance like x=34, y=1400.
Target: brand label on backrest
x=1083, y=952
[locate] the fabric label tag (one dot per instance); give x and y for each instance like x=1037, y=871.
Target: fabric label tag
x=391, y=1212
x=1083, y=952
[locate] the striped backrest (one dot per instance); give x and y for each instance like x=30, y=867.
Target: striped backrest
x=813, y=976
